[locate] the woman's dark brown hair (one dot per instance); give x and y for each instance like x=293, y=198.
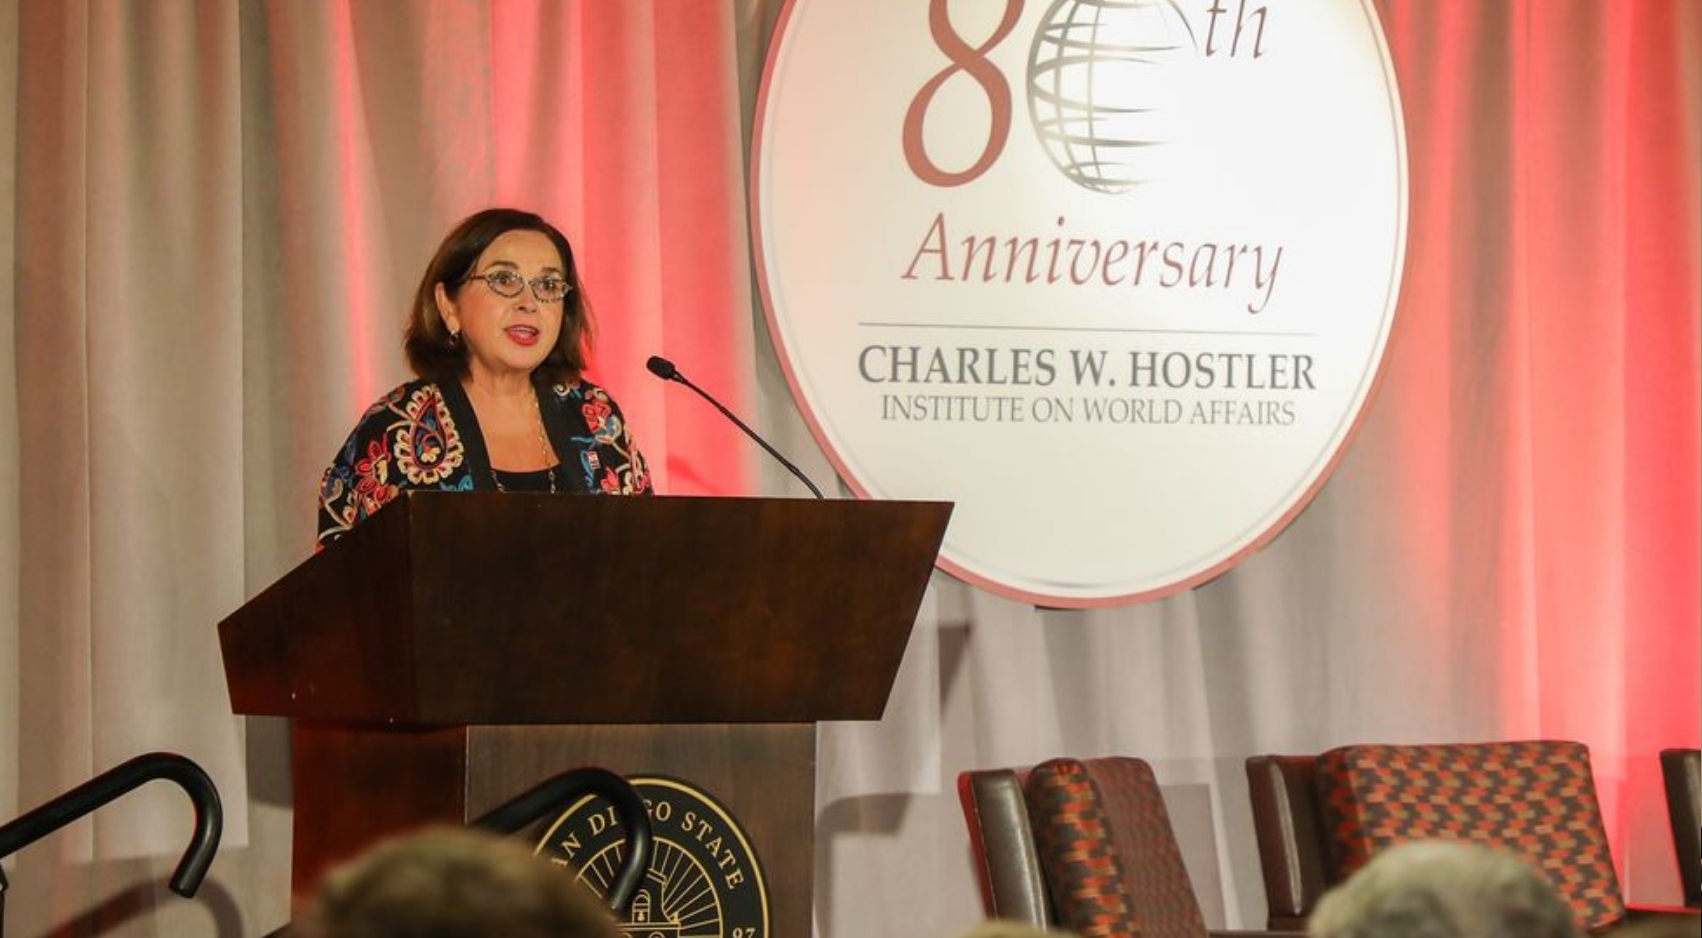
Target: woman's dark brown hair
x=435, y=355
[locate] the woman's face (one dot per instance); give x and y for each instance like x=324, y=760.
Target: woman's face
x=507, y=336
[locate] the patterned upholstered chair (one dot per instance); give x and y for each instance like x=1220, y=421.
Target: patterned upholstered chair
x=1682, y=771
x=1319, y=819
x=1082, y=844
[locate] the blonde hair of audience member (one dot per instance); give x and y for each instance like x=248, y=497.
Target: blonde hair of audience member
x=454, y=883
x=1444, y=889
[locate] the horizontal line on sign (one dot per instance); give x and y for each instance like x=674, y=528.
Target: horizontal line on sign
x=949, y=325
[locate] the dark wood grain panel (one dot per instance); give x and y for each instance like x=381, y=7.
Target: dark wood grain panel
x=356, y=785
x=502, y=609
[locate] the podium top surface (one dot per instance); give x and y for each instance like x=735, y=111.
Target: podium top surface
x=486, y=608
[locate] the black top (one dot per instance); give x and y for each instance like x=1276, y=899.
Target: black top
x=539, y=481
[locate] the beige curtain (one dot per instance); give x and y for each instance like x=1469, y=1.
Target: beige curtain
x=217, y=210
x=127, y=381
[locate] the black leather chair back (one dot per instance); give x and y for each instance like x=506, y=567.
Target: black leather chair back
x=1013, y=886
x=1682, y=771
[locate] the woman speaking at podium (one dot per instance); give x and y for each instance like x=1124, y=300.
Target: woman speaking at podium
x=497, y=336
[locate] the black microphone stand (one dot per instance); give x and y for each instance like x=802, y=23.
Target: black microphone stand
x=664, y=369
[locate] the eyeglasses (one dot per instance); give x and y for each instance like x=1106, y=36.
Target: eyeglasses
x=507, y=283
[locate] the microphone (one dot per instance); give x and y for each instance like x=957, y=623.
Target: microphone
x=664, y=369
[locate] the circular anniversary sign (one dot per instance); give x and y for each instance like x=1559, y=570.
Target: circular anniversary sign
x=1115, y=276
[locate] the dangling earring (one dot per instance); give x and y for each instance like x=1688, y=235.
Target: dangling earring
x=454, y=339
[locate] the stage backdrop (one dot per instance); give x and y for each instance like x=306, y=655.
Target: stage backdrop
x=215, y=216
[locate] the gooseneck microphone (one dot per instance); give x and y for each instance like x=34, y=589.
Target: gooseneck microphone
x=664, y=369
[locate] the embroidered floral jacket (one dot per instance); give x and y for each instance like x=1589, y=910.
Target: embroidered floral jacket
x=425, y=435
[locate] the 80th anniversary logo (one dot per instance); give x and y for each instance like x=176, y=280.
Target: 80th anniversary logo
x=1116, y=276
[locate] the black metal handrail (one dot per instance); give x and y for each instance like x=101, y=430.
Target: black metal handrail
x=114, y=783
x=558, y=794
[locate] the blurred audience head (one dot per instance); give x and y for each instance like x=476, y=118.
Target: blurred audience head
x=453, y=883
x=1444, y=889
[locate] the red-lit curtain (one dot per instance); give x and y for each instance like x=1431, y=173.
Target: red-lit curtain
x=216, y=214
x=1541, y=429
x=370, y=128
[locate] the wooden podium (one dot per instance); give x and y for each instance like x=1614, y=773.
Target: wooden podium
x=455, y=649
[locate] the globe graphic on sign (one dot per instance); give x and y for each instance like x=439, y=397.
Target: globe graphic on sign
x=1101, y=87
